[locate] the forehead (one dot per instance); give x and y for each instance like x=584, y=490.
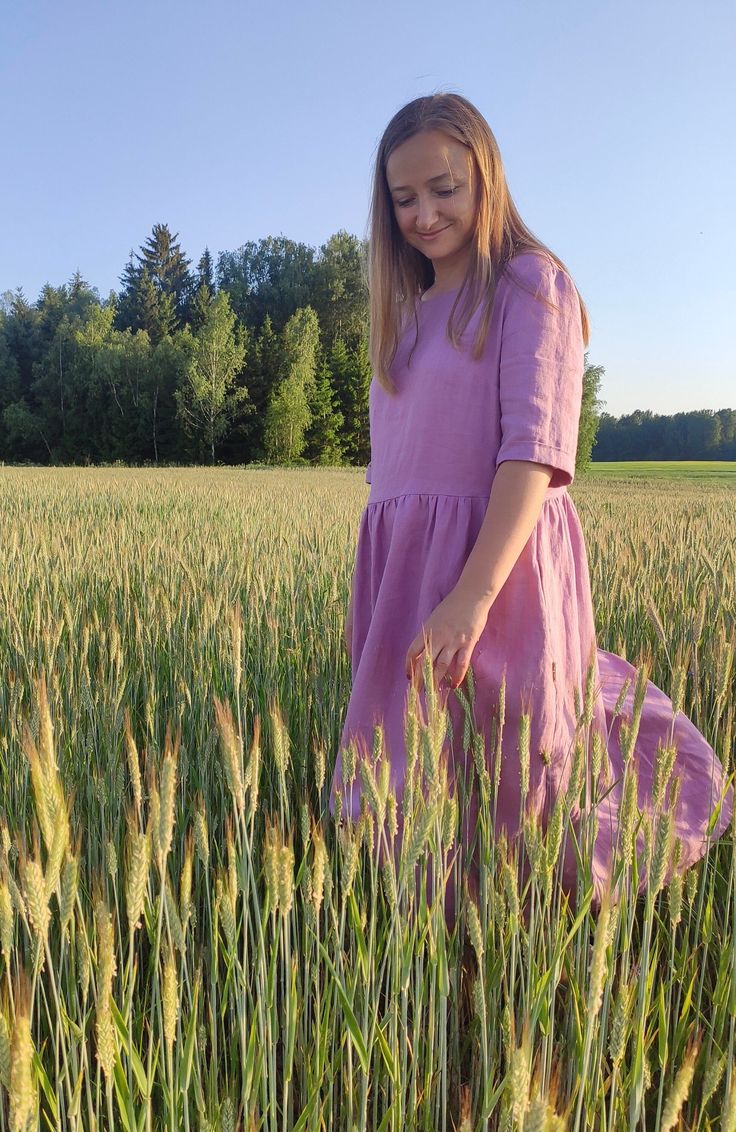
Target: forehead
x=426, y=157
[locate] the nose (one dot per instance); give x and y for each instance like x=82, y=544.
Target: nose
x=426, y=216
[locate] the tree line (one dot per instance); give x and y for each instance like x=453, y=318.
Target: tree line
x=643, y=435
x=261, y=358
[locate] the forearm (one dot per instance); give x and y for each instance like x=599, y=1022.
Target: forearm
x=515, y=503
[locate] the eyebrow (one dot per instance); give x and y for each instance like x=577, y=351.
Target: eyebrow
x=439, y=177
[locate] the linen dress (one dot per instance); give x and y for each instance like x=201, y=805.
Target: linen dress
x=435, y=447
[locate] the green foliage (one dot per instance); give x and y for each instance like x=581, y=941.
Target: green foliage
x=589, y=415
x=357, y=390
x=288, y=414
x=208, y=399
x=157, y=290
x=20, y=424
x=122, y=389
x=697, y=435
x=263, y=369
x=271, y=277
x=323, y=439
x=351, y=375
x=340, y=290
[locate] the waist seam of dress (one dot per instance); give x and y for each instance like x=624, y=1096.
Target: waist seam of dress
x=429, y=494
x=448, y=495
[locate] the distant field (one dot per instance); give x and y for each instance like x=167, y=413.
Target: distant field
x=672, y=469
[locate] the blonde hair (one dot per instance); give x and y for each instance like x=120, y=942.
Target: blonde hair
x=398, y=273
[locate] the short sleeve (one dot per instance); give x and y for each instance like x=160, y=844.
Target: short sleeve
x=541, y=368
x=368, y=473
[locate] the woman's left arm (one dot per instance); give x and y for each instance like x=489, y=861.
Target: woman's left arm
x=455, y=625
x=515, y=504
x=540, y=395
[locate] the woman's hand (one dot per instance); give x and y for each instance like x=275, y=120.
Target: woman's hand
x=453, y=629
x=517, y=494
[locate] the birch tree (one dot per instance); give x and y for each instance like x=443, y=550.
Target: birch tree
x=209, y=399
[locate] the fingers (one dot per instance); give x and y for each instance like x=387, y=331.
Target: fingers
x=410, y=660
x=413, y=657
x=449, y=665
x=453, y=673
x=442, y=667
x=458, y=667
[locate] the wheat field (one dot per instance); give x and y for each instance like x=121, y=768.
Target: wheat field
x=187, y=938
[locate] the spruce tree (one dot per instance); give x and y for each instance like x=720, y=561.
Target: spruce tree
x=127, y=312
x=357, y=428
x=264, y=368
x=169, y=268
x=154, y=310
x=200, y=308
x=323, y=443
x=205, y=271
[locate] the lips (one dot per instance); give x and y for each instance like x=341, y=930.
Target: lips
x=432, y=235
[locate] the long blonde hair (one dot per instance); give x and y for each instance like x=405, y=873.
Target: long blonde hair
x=398, y=273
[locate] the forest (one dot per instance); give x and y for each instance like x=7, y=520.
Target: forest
x=643, y=435
x=261, y=358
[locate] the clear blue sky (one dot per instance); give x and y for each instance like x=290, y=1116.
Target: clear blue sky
x=234, y=121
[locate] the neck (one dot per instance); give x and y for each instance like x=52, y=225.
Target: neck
x=449, y=271
x=447, y=281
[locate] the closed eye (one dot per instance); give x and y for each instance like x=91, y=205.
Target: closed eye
x=440, y=193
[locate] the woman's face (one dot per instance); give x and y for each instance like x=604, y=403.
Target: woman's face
x=433, y=189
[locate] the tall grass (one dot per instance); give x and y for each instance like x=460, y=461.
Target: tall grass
x=188, y=940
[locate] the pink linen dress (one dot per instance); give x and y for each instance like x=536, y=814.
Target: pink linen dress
x=435, y=447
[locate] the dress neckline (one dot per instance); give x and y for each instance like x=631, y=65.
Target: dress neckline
x=439, y=295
